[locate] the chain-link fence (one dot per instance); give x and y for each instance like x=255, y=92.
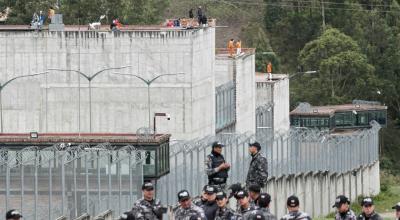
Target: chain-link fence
x=297, y=151
x=68, y=181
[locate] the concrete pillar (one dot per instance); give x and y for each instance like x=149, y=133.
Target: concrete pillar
x=374, y=178
x=365, y=181
x=308, y=193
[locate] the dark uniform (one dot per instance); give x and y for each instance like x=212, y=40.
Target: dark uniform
x=216, y=178
x=191, y=212
x=293, y=202
x=186, y=214
x=258, y=170
x=263, y=203
x=348, y=215
x=226, y=214
x=149, y=209
x=210, y=207
x=249, y=212
x=374, y=216
x=296, y=216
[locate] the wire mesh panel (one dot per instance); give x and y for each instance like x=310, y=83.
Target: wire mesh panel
x=69, y=181
x=297, y=151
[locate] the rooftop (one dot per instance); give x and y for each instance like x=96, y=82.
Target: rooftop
x=106, y=27
x=18, y=139
x=328, y=110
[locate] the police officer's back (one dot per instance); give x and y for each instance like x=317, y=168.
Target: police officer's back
x=224, y=212
x=149, y=207
x=258, y=170
x=186, y=209
x=13, y=215
x=368, y=210
x=263, y=204
x=254, y=193
x=293, y=206
x=216, y=166
x=342, y=204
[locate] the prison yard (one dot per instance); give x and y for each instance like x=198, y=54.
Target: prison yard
x=199, y=110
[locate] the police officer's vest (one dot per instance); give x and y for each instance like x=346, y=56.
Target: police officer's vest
x=217, y=159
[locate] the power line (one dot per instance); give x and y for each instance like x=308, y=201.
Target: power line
x=307, y=7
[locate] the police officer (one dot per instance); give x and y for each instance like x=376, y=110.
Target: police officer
x=186, y=209
x=292, y=205
x=246, y=209
x=202, y=199
x=258, y=170
x=223, y=212
x=149, y=207
x=342, y=204
x=216, y=167
x=254, y=193
x=210, y=207
x=263, y=204
x=397, y=207
x=368, y=210
x=13, y=215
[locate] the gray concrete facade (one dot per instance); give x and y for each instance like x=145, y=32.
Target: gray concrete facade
x=59, y=101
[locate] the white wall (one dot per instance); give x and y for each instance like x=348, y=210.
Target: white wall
x=59, y=101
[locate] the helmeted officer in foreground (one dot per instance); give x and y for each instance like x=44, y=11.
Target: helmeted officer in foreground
x=13, y=215
x=187, y=210
x=202, y=199
x=397, y=208
x=293, y=206
x=210, y=207
x=258, y=170
x=149, y=207
x=223, y=212
x=368, y=210
x=246, y=209
x=263, y=205
x=216, y=167
x=342, y=204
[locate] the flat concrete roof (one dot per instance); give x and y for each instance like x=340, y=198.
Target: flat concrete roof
x=90, y=138
x=262, y=77
x=329, y=110
x=106, y=27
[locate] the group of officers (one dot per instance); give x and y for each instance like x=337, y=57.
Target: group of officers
x=251, y=202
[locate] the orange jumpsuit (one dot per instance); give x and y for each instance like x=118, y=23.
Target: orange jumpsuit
x=231, y=48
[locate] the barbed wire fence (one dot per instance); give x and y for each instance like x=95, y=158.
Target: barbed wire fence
x=64, y=180
x=300, y=150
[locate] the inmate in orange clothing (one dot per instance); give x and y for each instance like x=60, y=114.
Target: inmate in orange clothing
x=269, y=68
x=231, y=47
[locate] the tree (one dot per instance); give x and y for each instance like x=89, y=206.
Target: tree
x=344, y=73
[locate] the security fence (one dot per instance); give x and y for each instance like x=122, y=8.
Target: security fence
x=295, y=152
x=69, y=181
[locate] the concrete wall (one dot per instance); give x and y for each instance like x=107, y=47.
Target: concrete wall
x=245, y=94
x=240, y=69
x=317, y=191
x=276, y=92
x=59, y=101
